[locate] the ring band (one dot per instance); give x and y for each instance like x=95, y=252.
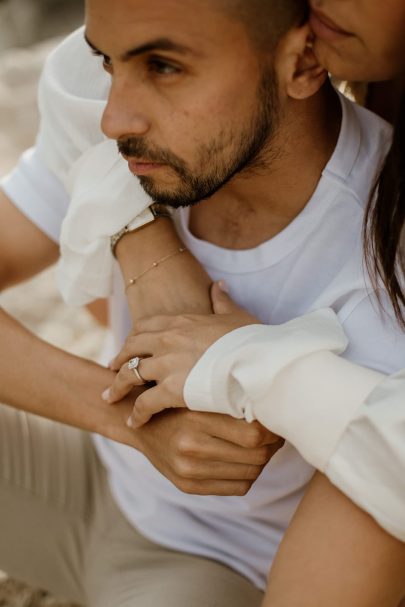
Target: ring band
x=133, y=365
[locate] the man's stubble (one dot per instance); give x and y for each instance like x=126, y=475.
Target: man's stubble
x=227, y=155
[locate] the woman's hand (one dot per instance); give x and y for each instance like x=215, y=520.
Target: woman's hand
x=169, y=347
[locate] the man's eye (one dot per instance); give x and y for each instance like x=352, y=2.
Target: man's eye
x=162, y=67
x=106, y=60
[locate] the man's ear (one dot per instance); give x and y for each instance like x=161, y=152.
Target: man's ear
x=298, y=70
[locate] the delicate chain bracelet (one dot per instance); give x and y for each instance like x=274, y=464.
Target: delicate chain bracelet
x=132, y=281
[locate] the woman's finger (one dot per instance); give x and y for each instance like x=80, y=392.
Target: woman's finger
x=128, y=378
x=143, y=345
x=221, y=301
x=152, y=401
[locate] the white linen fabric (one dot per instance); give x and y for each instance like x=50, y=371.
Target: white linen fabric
x=316, y=262
x=72, y=146
x=377, y=431
x=238, y=371
x=104, y=198
x=358, y=409
x=72, y=98
x=257, y=380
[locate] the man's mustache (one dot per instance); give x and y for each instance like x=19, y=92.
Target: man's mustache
x=132, y=147
x=137, y=148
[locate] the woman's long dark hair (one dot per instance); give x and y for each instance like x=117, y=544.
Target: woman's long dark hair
x=384, y=226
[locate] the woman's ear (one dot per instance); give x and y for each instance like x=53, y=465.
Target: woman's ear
x=298, y=69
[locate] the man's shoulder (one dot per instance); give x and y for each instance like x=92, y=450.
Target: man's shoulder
x=364, y=144
x=376, y=134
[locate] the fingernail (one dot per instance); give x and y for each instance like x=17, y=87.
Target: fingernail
x=130, y=423
x=106, y=394
x=111, y=363
x=223, y=286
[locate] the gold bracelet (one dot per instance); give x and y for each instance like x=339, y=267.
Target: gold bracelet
x=155, y=264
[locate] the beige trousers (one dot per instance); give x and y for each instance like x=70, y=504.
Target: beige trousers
x=61, y=530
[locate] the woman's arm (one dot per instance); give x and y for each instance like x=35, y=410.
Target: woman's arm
x=46, y=381
x=179, y=285
x=34, y=375
x=344, y=419
x=334, y=554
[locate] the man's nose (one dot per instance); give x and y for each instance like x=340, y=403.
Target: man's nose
x=121, y=116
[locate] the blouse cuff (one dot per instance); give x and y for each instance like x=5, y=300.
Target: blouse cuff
x=288, y=378
x=237, y=372
x=312, y=402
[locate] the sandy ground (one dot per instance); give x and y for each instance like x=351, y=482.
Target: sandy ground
x=36, y=303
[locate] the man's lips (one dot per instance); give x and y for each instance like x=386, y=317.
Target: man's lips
x=139, y=166
x=326, y=29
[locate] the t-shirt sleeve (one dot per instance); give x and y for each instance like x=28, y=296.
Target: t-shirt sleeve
x=37, y=193
x=375, y=339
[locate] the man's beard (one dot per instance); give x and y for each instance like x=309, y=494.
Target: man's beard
x=251, y=151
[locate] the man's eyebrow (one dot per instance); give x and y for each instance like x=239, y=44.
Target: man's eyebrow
x=91, y=45
x=160, y=44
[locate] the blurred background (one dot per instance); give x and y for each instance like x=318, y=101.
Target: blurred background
x=29, y=29
x=25, y=22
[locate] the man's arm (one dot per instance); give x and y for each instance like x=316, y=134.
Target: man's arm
x=24, y=248
x=334, y=554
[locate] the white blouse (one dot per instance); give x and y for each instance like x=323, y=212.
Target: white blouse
x=346, y=420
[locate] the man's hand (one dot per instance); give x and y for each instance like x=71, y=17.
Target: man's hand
x=170, y=346
x=207, y=453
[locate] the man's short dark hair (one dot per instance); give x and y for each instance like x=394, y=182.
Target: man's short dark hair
x=267, y=20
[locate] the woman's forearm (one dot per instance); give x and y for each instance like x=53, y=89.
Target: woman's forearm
x=288, y=377
x=334, y=554
x=51, y=383
x=179, y=285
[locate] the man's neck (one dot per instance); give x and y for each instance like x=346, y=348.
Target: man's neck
x=253, y=208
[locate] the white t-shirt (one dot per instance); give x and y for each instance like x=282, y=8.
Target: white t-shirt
x=315, y=262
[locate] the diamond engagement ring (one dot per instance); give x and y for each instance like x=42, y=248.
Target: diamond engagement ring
x=133, y=365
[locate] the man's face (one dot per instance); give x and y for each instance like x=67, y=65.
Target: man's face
x=192, y=102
